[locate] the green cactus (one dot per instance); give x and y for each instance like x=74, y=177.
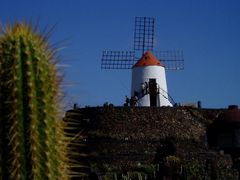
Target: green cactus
x=31, y=136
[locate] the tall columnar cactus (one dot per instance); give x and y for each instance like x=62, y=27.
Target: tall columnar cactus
x=31, y=143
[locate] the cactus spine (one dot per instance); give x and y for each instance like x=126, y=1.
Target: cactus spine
x=31, y=145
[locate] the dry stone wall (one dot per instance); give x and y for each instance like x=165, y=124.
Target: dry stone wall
x=131, y=135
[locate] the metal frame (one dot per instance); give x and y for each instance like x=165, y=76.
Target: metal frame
x=171, y=59
x=143, y=41
x=118, y=59
x=144, y=34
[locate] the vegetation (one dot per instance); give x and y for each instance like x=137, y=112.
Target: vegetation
x=31, y=133
x=173, y=168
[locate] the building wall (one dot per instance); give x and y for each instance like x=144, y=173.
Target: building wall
x=143, y=74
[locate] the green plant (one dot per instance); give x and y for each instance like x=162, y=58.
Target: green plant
x=194, y=170
x=134, y=175
x=31, y=136
x=109, y=176
x=148, y=170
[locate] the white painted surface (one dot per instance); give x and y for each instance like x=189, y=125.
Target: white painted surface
x=142, y=74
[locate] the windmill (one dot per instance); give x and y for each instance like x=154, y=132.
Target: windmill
x=149, y=86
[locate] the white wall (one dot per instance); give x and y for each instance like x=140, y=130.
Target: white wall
x=142, y=74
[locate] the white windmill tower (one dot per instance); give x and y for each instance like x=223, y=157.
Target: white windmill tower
x=149, y=85
x=149, y=82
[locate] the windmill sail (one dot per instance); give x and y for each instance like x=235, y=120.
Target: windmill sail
x=143, y=42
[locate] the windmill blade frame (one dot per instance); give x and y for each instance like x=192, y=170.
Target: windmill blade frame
x=171, y=59
x=143, y=42
x=144, y=34
x=117, y=59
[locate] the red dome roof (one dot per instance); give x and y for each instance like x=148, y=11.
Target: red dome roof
x=148, y=59
x=231, y=115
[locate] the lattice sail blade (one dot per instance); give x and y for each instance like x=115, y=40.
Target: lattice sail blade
x=172, y=59
x=144, y=34
x=117, y=59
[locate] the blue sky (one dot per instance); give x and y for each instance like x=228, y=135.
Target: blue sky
x=208, y=32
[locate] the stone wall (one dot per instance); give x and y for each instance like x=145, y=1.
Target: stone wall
x=127, y=136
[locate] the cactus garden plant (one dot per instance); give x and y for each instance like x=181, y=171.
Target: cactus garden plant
x=31, y=136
